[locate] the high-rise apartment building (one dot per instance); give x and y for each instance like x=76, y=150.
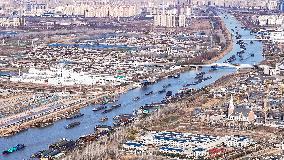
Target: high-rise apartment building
x=33, y=8
x=282, y=6
x=182, y=20
x=165, y=20
x=173, y=16
x=170, y=20
x=105, y=10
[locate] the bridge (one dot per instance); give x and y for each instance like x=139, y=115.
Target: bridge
x=222, y=65
x=254, y=39
x=204, y=16
x=262, y=39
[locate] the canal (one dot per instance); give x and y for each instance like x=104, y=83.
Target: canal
x=39, y=139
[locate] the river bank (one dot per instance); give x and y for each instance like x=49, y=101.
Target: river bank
x=227, y=49
x=74, y=107
x=172, y=117
x=128, y=106
x=166, y=118
x=63, y=113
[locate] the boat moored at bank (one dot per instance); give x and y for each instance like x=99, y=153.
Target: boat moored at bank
x=72, y=125
x=14, y=149
x=76, y=115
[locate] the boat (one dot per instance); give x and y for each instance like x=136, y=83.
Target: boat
x=177, y=76
x=206, y=78
x=198, y=81
x=102, y=128
x=190, y=84
x=240, y=42
x=187, y=85
x=77, y=115
x=166, y=86
x=252, y=55
x=185, y=90
x=240, y=53
x=116, y=106
x=169, y=93
x=62, y=144
x=199, y=75
x=72, y=125
x=104, y=103
x=37, y=154
x=136, y=98
x=145, y=83
x=107, y=100
x=231, y=59
x=243, y=47
x=162, y=91
x=238, y=36
x=43, y=124
x=107, y=110
x=149, y=93
x=112, y=100
x=213, y=68
x=14, y=149
x=103, y=119
x=99, y=108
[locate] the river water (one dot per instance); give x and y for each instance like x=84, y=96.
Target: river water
x=39, y=139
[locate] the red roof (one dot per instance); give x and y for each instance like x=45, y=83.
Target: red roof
x=216, y=150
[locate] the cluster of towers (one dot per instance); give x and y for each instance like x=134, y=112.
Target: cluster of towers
x=173, y=16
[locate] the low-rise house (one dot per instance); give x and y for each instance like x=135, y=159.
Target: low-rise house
x=135, y=147
x=199, y=152
x=11, y=21
x=216, y=152
x=265, y=20
x=171, y=150
x=190, y=145
x=277, y=70
x=237, y=141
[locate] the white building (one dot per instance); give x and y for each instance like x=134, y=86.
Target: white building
x=275, y=20
x=61, y=76
x=199, y=152
x=98, y=10
x=278, y=70
x=237, y=141
x=273, y=5
x=188, y=144
x=35, y=9
x=182, y=21
x=134, y=147
x=277, y=36
x=165, y=20
x=11, y=21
